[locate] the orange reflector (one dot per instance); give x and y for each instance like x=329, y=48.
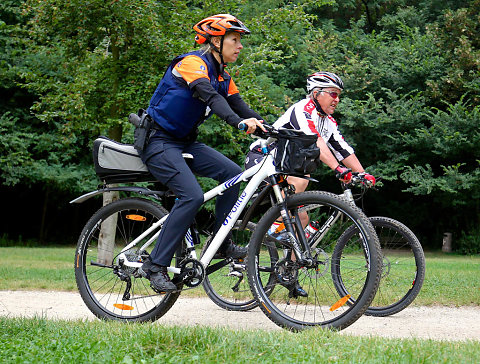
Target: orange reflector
x=340, y=302
x=121, y=306
x=280, y=228
x=136, y=217
x=263, y=304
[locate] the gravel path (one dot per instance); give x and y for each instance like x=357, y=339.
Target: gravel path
x=438, y=323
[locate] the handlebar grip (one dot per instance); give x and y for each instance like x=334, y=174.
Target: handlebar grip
x=242, y=126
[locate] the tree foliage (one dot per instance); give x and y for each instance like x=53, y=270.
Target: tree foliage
x=72, y=70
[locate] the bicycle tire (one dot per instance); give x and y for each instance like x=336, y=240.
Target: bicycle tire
x=228, y=287
x=403, y=266
x=271, y=278
x=100, y=287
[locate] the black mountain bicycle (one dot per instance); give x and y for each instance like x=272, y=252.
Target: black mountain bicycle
x=403, y=267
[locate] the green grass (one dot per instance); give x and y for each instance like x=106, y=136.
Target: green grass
x=40, y=340
x=37, y=269
x=449, y=279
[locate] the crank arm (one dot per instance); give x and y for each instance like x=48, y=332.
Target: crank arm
x=214, y=267
x=101, y=265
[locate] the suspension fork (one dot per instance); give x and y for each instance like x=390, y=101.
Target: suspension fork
x=302, y=258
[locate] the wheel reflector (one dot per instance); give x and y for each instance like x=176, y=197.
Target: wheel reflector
x=136, y=217
x=280, y=228
x=121, y=306
x=340, y=302
x=263, y=304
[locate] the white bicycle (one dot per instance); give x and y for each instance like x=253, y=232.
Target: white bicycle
x=107, y=264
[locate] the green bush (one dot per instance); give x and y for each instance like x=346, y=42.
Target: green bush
x=469, y=242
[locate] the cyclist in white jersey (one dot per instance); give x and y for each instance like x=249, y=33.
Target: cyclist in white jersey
x=312, y=115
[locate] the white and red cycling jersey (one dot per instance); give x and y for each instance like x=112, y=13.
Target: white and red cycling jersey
x=304, y=116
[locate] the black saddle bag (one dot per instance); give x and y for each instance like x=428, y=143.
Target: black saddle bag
x=118, y=163
x=297, y=152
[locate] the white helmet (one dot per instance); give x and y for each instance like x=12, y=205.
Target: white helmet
x=323, y=80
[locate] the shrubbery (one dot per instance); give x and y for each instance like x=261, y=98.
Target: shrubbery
x=72, y=71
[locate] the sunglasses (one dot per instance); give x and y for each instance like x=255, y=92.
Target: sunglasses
x=332, y=94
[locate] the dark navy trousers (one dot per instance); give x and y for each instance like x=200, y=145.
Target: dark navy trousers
x=163, y=157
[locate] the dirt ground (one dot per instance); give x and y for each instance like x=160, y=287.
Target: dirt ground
x=437, y=323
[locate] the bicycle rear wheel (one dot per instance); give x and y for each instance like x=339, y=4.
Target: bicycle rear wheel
x=273, y=274
x=403, y=266
x=228, y=286
x=109, y=288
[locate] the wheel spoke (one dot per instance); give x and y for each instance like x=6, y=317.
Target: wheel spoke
x=104, y=289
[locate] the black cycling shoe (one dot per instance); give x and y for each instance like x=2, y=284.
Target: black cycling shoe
x=297, y=291
x=144, y=270
x=158, y=276
x=231, y=250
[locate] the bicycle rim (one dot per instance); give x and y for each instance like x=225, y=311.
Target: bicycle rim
x=228, y=286
x=403, y=263
x=109, y=288
x=273, y=275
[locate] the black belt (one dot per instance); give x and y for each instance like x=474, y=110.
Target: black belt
x=189, y=138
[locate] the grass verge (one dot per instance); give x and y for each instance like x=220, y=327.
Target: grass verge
x=33, y=340
x=449, y=279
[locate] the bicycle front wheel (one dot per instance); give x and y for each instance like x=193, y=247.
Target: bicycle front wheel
x=228, y=286
x=275, y=276
x=403, y=263
x=111, y=289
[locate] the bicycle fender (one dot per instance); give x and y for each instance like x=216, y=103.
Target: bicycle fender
x=131, y=189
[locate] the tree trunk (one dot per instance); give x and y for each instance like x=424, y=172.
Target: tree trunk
x=42, y=232
x=106, y=240
x=369, y=17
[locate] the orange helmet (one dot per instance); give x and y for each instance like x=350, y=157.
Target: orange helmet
x=218, y=25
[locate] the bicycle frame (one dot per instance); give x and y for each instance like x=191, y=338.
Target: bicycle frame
x=255, y=175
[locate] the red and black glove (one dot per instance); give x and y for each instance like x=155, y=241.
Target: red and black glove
x=344, y=174
x=369, y=179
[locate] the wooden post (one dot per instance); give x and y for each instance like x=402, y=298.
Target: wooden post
x=447, y=243
x=106, y=240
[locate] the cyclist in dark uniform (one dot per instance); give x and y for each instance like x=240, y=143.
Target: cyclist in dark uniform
x=194, y=86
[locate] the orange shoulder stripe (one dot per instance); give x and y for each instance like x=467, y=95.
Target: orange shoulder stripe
x=192, y=68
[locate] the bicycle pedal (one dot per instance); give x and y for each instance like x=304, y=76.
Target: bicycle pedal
x=162, y=292
x=157, y=291
x=235, y=274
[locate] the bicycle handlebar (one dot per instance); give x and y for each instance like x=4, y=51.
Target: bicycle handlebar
x=242, y=126
x=359, y=180
x=270, y=133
